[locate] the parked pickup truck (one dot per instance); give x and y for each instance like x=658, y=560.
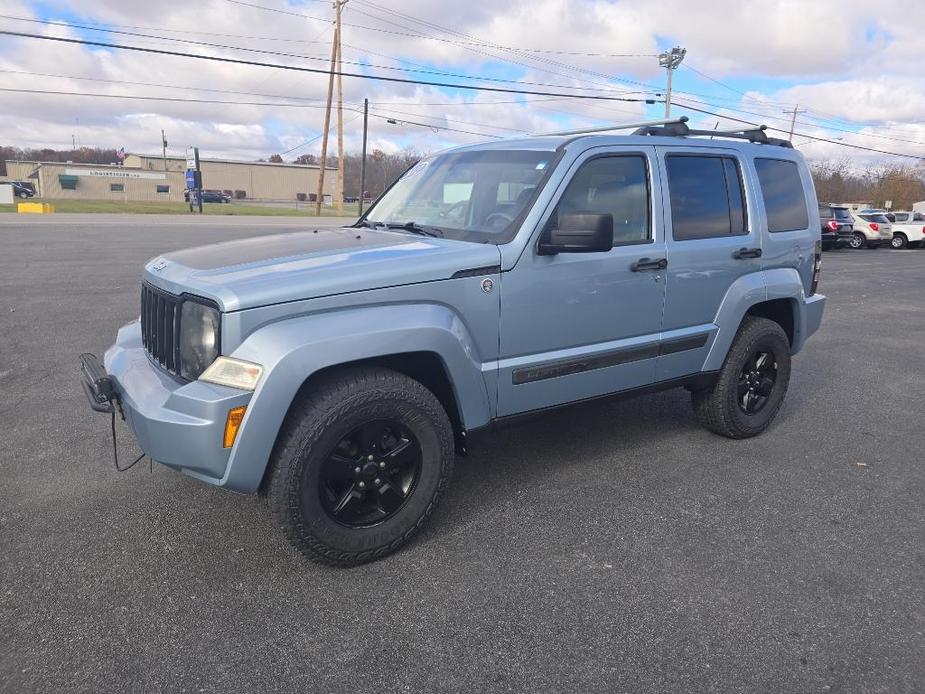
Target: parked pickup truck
x=908, y=229
x=337, y=370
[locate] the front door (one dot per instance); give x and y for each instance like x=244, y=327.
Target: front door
x=580, y=325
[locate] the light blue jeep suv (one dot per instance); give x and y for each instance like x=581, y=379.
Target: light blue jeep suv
x=338, y=371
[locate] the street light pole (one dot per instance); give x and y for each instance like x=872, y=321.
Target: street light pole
x=670, y=60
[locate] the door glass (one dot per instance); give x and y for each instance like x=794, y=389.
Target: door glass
x=616, y=185
x=706, y=197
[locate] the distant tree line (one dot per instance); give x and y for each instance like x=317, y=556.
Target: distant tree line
x=381, y=168
x=841, y=181
x=81, y=155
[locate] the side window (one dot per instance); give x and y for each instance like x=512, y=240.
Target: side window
x=616, y=185
x=782, y=191
x=707, y=200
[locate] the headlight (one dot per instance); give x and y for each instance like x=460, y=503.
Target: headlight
x=199, y=325
x=227, y=371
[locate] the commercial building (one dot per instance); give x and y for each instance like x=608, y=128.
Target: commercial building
x=152, y=178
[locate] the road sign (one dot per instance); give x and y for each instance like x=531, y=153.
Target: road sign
x=191, y=157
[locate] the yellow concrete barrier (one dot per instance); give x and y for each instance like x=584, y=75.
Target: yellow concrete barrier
x=35, y=208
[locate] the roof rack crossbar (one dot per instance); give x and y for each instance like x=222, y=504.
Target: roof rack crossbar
x=641, y=125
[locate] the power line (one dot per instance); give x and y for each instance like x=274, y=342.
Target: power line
x=468, y=45
x=277, y=66
x=261, y=51
x=274, y=104
x=810, y=137
x=514, y=48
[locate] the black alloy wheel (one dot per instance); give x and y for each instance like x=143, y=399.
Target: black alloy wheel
x=756, y=381
x=370, y=474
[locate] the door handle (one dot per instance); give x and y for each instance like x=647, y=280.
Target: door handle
x=743, y=253
x=649, y=264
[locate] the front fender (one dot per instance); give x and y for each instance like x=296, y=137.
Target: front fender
x=294, y=349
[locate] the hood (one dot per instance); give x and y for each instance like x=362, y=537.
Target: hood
x=305, y=265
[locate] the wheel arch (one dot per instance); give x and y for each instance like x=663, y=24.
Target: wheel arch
x=776, y=294
x=426, y=342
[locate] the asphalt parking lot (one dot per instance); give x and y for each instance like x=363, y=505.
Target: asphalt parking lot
x=613, y=546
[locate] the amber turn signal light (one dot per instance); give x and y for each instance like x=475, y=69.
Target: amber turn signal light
x=232, y=424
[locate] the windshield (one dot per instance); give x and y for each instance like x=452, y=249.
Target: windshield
x=878, y=218
x=842, y=213
x=471, y=196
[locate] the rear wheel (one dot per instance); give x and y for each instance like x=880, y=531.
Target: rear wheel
x=857, y=240
x=752, y=383
x=899, y=241
x=361, y=463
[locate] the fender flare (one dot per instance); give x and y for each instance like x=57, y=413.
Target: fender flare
x=747, y=291
x=292, y=350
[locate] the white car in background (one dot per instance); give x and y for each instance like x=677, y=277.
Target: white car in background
x=872, y=229
x=908, y=229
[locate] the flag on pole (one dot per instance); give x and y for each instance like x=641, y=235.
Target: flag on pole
x=120, y=154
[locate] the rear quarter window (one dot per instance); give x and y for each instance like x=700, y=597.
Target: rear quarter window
x=783, y=195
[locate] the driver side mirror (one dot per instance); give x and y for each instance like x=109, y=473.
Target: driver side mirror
x=579, y=232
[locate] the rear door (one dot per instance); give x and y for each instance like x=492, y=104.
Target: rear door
x=712, y=241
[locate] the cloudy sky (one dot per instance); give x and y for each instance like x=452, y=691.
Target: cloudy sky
x=854, y=65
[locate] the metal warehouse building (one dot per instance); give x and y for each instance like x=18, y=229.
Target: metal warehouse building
x=144, y=178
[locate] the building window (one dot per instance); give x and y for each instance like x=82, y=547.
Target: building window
x=116, y=187
x=163, y=189
x=67, y=182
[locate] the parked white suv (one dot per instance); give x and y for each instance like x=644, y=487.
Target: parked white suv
x=871, y=229
x=908, y=229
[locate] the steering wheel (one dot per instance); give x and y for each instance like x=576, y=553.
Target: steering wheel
x=498, y=220
x=452, y=208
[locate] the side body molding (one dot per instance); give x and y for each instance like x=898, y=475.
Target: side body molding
x=294, y=349
x=745, y=292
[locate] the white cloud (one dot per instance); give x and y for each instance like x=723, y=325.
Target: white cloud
x=842, y=60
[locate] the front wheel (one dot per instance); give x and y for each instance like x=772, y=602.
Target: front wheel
x=857, y=240
x=899, y=242
x=361, y=463
x=752, y=383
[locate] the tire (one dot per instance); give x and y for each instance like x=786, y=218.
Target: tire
x=857, y=240
x=719, y=408
x=329, y=427
x=899, y=241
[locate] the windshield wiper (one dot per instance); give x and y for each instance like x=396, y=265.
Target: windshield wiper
x=415, y=228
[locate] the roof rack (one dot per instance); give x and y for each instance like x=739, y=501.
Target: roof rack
x=755, y=134
x=641, y=125
x=677, y=127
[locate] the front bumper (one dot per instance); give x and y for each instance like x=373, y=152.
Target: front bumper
x=178, y=424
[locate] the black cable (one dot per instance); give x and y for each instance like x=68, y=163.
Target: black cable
x=115, y=451
x=294, y=68
x=798, y=134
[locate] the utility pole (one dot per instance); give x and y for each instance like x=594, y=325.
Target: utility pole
x=793, y=121
x=670, y=60
x=363, y=161
x=335, y=58
x=164, y=150
x=339, y=188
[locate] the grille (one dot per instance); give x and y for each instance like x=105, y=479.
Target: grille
x=160, y=327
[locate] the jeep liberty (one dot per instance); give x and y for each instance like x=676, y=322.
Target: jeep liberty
x=338, y=371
